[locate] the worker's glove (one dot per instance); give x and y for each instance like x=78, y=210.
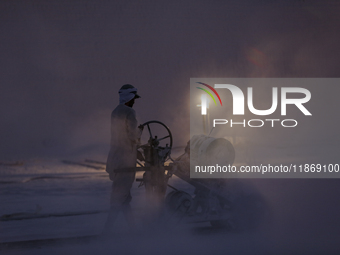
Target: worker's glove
x=141, y=127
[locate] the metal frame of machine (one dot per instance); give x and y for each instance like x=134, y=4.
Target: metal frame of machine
x=222, y=202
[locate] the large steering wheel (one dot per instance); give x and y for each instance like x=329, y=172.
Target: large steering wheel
x=155, y=179
x=154, y=139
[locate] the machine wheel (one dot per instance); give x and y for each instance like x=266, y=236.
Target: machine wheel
x=248, y=212
x=178, y=202
x=154, y=138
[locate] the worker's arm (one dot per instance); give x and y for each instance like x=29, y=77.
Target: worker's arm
x=133, y=131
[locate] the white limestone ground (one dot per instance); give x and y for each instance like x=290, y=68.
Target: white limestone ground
x=74, y=200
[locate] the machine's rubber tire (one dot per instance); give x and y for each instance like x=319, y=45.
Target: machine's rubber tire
x=178, y=202
x=248, y=213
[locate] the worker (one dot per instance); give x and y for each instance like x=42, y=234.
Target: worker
x=121, y=161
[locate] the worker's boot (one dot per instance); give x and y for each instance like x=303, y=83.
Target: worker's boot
x=129, y=217
x=109, y=225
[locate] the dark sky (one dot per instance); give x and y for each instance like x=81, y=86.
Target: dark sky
x=62, y=62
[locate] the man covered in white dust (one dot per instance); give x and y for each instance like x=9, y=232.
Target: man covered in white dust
x=121, y=161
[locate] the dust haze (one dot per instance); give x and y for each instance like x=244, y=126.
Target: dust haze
x=63, y=63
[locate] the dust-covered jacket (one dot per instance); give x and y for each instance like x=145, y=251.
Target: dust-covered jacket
x=124, y=139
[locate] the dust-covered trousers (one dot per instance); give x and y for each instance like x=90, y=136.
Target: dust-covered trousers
x=121, y=186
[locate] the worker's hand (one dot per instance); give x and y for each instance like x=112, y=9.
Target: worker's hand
x=141, y=127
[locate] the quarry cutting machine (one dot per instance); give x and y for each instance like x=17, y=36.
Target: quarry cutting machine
x=226, y=203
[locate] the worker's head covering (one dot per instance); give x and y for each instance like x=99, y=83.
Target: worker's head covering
x=126, y=93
